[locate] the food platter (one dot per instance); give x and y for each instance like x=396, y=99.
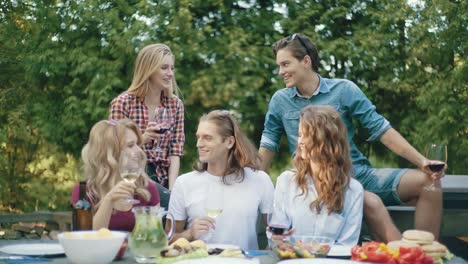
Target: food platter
x=38, y=249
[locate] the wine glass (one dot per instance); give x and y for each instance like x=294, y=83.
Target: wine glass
x=436, y=152
x=164, y=120
x=278, y=223
x=278, y=220
x=214, y=203
x=131, y=169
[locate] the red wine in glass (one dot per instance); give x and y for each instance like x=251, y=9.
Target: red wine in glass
x=436, y=167
x=278, y=229
x=436, y=152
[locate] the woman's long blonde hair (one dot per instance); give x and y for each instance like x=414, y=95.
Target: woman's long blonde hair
x=326, y=148
x=148, y=61
x=242, y=154
x=101, y=159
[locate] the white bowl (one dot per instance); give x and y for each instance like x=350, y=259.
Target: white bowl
x=87, y=247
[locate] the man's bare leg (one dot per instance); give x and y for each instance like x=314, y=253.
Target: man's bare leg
x=428, y=215
x=378, y=219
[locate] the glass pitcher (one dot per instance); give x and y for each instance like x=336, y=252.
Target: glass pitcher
x=148, y=237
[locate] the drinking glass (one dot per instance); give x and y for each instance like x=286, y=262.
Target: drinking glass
x=278, y=223
x=214, y=203
x=131, y=169
x=436, y=152
x=164, y=119
x=278, y=220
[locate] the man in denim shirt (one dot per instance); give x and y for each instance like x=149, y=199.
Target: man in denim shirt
x=298, y=62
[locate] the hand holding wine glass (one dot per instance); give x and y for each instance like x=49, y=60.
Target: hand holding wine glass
x=437, y=155
x=131, y=169
x=214, y=203
x=164, y=120
x=279, y=224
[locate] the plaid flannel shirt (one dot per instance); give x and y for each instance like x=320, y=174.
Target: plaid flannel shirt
x=130, y=106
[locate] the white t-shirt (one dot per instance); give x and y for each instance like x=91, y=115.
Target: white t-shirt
x=242, y=202
x=344, y=227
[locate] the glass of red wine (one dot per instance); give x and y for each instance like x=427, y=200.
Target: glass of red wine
x=164, y=120
x=436, y=152
x=278, y=221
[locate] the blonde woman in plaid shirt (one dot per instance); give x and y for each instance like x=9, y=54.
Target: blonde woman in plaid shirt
x=154, y=86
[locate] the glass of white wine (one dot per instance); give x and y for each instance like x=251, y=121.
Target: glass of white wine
x=214, y=203
x=130, y=170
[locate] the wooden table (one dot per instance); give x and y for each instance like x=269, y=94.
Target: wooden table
x=266, y=259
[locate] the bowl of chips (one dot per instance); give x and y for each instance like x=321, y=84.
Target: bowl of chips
x=83, y=247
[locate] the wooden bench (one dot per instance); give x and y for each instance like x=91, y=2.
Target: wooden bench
x=62, y=219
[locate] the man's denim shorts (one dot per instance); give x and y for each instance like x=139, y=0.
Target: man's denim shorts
x=383, y=182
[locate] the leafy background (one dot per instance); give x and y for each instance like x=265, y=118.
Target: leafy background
x=61, y=63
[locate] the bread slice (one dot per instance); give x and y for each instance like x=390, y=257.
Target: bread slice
x=418, y=236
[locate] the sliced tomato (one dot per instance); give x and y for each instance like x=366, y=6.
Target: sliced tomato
x=414, y=256
x=428, y=260
x=379, y=257
x=355, y=251
x=374, y=253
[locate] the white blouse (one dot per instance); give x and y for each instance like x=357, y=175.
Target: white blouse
x=344, y=227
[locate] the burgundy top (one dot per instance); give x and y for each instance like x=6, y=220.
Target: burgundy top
x=120, y=220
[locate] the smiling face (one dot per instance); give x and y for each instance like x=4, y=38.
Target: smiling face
x=292, y=70
x=130, y=140
x=212, y=148
x=163, y=76
x=130, y=145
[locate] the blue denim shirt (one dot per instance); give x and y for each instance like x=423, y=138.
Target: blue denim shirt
x=286, y=104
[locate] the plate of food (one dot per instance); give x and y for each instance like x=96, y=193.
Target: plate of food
x=302, y=247
x=199, y=252
x=217, y=249
x=37, y=249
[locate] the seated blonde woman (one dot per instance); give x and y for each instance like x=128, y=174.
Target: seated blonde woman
x=319, y=196
x=105, y=189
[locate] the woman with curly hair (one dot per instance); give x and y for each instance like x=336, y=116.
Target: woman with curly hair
x=104, y=188
x=319, y=196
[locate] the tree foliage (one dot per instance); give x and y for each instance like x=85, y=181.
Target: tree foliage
x=63, y=61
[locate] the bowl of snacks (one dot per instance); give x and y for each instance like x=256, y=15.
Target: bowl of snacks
x=302, y=247
x=82, y=247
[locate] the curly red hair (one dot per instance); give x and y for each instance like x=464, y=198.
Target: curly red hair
x=323, y=155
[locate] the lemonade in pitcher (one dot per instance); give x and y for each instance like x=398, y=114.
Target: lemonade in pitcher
x=148, y=237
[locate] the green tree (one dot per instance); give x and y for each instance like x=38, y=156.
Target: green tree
x=376, y=44
x=62, y=62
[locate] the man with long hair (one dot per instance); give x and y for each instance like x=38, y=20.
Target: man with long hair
x=227, y=165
